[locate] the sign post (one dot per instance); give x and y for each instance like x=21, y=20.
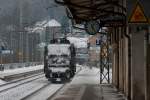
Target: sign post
x=138, y=23
x=138, y=15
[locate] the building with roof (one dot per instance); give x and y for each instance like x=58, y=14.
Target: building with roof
x=52, y=23
x=48, y=29
x=52, y=30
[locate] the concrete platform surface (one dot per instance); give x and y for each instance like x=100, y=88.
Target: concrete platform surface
x=85, y=86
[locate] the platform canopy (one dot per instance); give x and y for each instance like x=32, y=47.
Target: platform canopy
x=108, y=11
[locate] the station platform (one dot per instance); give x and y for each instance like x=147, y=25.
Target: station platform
x=85, y=86
x=13, y=74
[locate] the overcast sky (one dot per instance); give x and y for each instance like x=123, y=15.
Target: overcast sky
x=36, y=9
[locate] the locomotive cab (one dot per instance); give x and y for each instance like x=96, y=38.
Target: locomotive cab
x=59, y=61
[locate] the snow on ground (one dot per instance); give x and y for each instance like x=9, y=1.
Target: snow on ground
x=23, y=90
x=25, y=69
x=26, y=89
x=81, y=85
x=20, y=70
x=46, y=92
x=87, y=76
x=2, y=82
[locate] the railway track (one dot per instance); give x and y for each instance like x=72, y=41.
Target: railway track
x=33, y=93
x=18, y=91
x=21, y=75
x=51, y=96
x=20, y=79
x=35, y=87
x=14, y=84
x=44, y=93
x=41, y=91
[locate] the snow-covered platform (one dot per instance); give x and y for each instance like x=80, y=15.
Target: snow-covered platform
x=7, y=73
x=85, y=86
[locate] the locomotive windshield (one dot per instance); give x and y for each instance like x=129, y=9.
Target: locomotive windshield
x=59, y=49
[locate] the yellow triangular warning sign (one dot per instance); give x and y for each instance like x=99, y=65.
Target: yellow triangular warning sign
x=138, y=15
